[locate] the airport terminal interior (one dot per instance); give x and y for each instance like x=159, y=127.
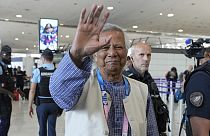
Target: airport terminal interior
x=176, y=31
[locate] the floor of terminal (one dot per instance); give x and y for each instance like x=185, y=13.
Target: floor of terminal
x=23, y=125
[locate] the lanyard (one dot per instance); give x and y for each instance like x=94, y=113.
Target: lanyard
x=105, y=102
x=101, y=82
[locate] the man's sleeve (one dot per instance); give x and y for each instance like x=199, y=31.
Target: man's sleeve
x=35, y=76
x=152, y=128
x=66, y=83
x=198, y=95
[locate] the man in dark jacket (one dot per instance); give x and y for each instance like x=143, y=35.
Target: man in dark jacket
x=140, y=57
x=6, y=90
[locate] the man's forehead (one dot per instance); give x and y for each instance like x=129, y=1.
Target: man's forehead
x=143, y=47
x=116, y=36
x=112, y=32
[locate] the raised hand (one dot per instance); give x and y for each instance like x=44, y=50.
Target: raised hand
x=86, y=41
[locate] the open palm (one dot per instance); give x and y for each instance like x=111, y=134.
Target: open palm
x=86, y=41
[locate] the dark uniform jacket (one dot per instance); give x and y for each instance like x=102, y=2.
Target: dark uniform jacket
x=7, y=83
x=147, y=79
x=197, y=92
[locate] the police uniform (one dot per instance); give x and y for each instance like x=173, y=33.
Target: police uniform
x=7, y=83
x=47, y=109
x=197, y=91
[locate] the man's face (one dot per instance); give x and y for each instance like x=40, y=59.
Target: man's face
x=141, y=57
x=6, y=57
x=112, y=58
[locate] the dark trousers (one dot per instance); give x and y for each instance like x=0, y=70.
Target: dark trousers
x=5, y=124
x=47, y=116
x=20, y=86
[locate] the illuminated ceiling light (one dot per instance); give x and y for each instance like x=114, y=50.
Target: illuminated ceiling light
x=67, y=36
x=135, y=27
x=61, y=24
x=170, y=15
x=34, y=46
x=27, y=49
x=6, y=19
x=110, y=8
x=19, y=16
x=61, y=36
x=180, y=30
x=16, y=39
x=23, y=32
x=161, y=14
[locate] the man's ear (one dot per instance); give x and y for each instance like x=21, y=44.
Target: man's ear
x=131, y=58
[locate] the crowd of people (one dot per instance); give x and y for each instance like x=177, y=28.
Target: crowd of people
x=118, y=97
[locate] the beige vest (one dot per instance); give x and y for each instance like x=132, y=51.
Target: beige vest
x=87, y=117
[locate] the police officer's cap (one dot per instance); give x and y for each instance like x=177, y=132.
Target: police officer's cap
x=6, y=49
x=47, y=52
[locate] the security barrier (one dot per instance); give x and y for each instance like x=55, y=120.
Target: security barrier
x=163, y=86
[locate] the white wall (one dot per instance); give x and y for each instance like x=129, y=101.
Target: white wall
x=162, y=63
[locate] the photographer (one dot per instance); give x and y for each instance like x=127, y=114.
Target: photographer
x=197, y=91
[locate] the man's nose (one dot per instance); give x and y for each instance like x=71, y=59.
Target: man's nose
x=112, y=51
x=145, y=57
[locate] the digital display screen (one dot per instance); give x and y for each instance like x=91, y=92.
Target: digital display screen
x=48, y=34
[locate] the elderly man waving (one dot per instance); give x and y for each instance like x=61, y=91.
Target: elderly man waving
x=101, y=102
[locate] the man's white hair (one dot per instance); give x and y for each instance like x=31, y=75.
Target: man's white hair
x=112, y=27
x=132, y=49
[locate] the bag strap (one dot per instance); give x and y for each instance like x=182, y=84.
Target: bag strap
x=182, y=123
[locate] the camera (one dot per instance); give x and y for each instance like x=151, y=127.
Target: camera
x=195, y=49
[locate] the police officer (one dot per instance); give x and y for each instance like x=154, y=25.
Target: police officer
x=47, y=110
x=197, y=90
x=140, y=57
x=6, y=90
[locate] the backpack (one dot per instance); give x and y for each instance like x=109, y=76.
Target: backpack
x=161, y=113
x=161, y=109
x=185, y=120
x=178, y=95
